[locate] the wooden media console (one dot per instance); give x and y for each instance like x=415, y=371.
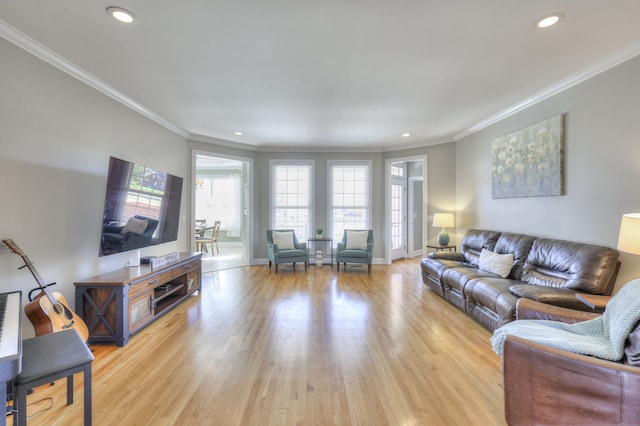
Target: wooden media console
x=117, y=304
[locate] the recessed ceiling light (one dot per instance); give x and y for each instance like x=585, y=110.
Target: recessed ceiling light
x=238, y=133
x=549, y=20
x=406, y=135
x=121, y=14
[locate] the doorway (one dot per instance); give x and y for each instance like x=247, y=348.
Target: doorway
x=221, y=197
x=405, y=207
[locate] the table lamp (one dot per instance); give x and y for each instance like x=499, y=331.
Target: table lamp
x=629, y=238
x=443, y=220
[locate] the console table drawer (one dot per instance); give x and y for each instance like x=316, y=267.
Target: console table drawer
x=150, y=283
x=186, y=268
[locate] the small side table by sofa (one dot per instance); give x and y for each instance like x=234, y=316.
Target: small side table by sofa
x=441, y=248
x=315, y=241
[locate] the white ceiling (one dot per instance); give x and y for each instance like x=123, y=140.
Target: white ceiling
x=327, y=74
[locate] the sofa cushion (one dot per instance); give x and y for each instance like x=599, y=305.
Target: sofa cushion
x=564, y=264
x=490, y=302
x=346, y=253
x=283, y=239
x=136, y=226
x=474, y=241
x=486, y=290
x=357, y=240
x=454, y=283
x=286, y=254
x=517, y=244
x=499, y=264
x=437, y=262
x=457, y=277
x=563, y=297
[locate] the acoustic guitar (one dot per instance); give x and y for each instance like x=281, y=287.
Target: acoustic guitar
x=49, y=312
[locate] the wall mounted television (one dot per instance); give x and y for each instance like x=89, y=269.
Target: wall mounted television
x=141, y=207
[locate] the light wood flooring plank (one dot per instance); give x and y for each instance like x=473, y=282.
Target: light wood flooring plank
x=296, y=348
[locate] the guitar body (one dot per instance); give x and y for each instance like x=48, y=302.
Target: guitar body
x=48, y=317
x=49, y=312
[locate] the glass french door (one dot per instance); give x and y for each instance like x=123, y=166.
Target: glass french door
x=398, y=211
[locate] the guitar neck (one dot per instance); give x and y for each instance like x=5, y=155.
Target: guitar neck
x=43, y=286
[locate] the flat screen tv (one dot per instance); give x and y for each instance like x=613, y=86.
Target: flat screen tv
x=141, y=207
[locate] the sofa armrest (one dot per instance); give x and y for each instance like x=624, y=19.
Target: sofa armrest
x=563, y=297
x=447, y=255
x=530, y=309
x=543, y=385
x=272, y=249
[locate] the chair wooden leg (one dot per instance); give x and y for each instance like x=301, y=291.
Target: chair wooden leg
x=269, y=264
x=306, y=266
x=276, y=268
x=338, y=265
x=369, y=269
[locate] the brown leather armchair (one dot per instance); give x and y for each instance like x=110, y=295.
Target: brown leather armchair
x=543, y=385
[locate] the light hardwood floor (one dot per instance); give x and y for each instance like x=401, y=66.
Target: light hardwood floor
x=315, y=348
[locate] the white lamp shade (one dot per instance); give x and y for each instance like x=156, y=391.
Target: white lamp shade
x=443, y=220
x=629, y=238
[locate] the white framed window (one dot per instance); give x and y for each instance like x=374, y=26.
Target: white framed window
x=397, y=171
x=292, y=196
x=349, y=196
x=220, y=197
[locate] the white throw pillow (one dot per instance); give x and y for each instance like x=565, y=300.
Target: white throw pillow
x=357, y=240
x=284, y=240
x=499, y=264
x=137, y=226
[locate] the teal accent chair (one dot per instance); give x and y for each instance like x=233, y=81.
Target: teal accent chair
x=277, y=256
x=345, y=255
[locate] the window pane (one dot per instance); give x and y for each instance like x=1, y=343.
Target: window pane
x=349, y=199
x=292, y=201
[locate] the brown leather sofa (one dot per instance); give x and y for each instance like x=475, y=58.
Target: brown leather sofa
x=543, y=385
x=546, y=270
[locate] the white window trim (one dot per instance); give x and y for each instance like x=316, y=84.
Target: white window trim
x=369, y=193
x=284, y=162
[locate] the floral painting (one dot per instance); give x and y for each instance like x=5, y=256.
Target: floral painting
x=529, y=162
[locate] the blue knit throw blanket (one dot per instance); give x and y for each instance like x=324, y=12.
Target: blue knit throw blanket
x=603, y=337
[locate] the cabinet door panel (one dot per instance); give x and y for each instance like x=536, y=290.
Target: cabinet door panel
x=140, y=310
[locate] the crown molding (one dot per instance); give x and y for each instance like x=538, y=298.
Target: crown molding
x=30, y=45
x=26, y=43
x=277, y=148
x=592, y=70
x=327, y=149
x=418, y=145
x=221, y=142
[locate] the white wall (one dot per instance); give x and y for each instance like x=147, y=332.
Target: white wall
x=56, y=136
x=602, y=167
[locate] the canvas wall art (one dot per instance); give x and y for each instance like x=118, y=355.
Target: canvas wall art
x=529, y=162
